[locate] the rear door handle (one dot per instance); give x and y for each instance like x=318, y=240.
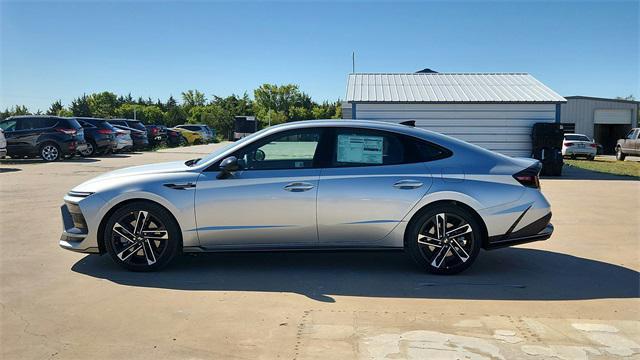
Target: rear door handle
x=407, y=184
x=298, y=186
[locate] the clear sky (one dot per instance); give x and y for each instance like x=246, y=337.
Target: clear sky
x=59, y=50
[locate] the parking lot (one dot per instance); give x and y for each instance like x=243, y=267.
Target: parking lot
x=574, y=296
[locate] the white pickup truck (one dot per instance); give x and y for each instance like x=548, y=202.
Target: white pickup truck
x=630, y=145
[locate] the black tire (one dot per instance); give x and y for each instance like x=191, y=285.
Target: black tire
x=591, y=158
x=147, y=252
x=50, y=152
x=556, y=169
x=619, y=154
x=183, y=141
x=460, y=251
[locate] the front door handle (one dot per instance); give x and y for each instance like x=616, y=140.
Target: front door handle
x=298, y=186
x=407, y=184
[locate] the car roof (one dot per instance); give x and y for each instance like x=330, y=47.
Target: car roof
x=35, y=116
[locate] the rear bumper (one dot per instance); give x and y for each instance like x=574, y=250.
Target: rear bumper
x=579, y=151
x=140, y=143
x=540, y=229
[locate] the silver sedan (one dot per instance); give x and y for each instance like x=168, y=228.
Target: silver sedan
x=315, y=185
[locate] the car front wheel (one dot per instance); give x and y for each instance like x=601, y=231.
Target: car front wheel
x=142, y=236
x=444, y=239
x=620, y=155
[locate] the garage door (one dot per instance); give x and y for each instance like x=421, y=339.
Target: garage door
x=612, y=117
x=504, y=128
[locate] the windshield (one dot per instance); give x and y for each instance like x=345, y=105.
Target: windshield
x=221, y=150
x=577, y=138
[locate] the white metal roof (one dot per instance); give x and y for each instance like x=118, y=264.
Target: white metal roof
x=449, y=87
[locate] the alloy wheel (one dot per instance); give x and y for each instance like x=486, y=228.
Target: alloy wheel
x=446, y=240
x=139, y=238
x=50, y=153
x=89, y=150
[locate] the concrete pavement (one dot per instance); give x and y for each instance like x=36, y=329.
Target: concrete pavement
x=574, y=296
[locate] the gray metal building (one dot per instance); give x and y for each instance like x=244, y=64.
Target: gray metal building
x=604, y=120
x=492, y=110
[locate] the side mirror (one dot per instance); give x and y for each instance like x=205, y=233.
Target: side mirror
x=227, y=166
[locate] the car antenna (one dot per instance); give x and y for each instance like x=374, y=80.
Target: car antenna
x=411, y=123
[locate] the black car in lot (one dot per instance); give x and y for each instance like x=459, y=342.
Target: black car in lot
x=99, y=134
x=157, y=134
x=49, y=137
x=138, y=131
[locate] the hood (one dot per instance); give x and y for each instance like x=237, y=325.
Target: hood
x=130, y=173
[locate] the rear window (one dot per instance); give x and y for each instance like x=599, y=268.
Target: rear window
x=577, y=138
x=102, y=124
x=136, y=125
x=190, y=127
x=71, y=123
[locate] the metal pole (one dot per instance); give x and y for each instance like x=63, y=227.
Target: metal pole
x=353, y=62
x=134, y=113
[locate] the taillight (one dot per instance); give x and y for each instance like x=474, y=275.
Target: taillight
x=154, y=131
x=568, y=144
x=67, y=131
x=105, y=131
x=529, y=176
x=593, y=145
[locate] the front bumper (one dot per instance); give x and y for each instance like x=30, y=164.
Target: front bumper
x=80, y=223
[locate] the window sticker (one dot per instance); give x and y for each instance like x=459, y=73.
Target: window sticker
x=360, y=149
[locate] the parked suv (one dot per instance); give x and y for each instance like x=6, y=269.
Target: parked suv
x=204, y=130
x=49, y=137
x=630, y=145
x=138, y=131
x=99, y=134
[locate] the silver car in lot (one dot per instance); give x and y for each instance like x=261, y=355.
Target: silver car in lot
x=324, y=184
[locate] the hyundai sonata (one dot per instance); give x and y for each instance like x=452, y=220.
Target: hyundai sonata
x=315, y=185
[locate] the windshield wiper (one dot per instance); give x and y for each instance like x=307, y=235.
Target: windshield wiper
x=192, y=162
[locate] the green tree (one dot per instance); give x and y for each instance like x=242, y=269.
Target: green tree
x=80, y=106
x=152, y=115
x=15, y=111
x=273, y=102
x=55, y=108
x=191, y=98
x=103, y=105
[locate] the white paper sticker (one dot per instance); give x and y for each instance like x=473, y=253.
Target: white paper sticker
x=360, y=149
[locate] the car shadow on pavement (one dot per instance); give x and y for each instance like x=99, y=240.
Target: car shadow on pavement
x=4, y=169
x=507, y=274
x=40, y=161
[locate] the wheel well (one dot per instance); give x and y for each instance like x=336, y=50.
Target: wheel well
x=105, y=218
x=478, y=218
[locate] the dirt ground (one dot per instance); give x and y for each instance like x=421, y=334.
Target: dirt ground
x=574, y=296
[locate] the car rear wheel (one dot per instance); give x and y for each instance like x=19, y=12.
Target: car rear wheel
x=444, y=239
x=183, y=141
x=142, y=236
x=90, y=149
x=50, y=152
x=619, y=154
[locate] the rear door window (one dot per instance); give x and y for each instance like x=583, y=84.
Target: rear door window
x=365, y=147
